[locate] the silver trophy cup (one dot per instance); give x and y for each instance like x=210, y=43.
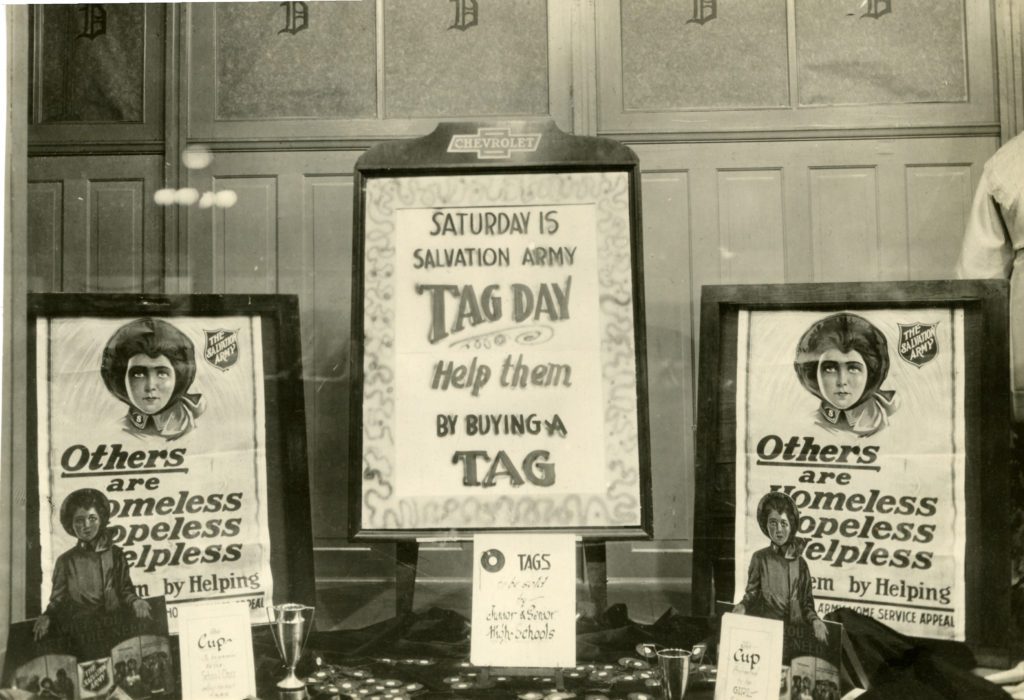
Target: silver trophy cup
x=675, y=672
x=290, y=623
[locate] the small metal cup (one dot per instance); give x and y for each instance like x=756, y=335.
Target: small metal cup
x=675, y=672
x=290, y=624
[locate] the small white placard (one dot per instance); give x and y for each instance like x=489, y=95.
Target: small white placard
x=216, y=651
x=749, y=658
x=524, y=600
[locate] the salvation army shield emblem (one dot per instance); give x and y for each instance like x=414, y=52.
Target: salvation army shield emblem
x=95, y=678
x=221, y=348
x=918, y=343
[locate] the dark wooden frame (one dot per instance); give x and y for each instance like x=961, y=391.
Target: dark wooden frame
x=291, y=545
x=987, y=430
x=428, y=157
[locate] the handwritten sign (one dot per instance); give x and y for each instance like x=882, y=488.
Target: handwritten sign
x=500, y=380
x=216, y=651
x=749, y=658
x=524, y=600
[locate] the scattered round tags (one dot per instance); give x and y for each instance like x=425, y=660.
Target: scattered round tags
x=647, y=650
x=629, y=662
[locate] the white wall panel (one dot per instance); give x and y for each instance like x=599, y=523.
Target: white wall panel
x=752, y=245
x=45, y=225
x=245, y=237
x=666, y=278
x=115, y=235
x=844, y=224
x=93, y=227
x=938, y=204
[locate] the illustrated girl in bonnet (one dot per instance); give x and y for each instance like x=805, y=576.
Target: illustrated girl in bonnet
x=150, y=365
x=843, y=360
x=778, y=580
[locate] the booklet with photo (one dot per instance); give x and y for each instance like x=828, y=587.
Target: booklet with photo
x=814, y=665
x=114, y=656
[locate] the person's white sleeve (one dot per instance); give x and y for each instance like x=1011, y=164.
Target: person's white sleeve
x=986, y=252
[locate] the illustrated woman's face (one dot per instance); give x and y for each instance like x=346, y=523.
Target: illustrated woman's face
x=150, y=382
x=842, y=376
x=86, y=524
x=778, y=527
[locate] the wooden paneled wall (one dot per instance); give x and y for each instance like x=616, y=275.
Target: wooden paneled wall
x=93, y=224
x=291, y=233
x=786, y=190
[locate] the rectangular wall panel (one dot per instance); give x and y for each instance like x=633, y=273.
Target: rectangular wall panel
x=97, y=73
x=667, y=280
x=440, y=59
x=751, y=228
x=93, y=224
x=903, y=52
x=115, y=233
x=45, y=228
x=844, y=224
x=675, y=67
x=245, y=237
x=938, y=204
x=679, y=56
x=279, y=60
x=328, y=208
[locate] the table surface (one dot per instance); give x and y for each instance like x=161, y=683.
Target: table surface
x=426, y=655
x=448, y=678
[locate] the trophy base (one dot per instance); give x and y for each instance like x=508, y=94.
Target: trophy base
x=291, y=683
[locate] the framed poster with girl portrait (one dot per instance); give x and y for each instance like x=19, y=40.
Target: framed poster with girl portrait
x=167, y=445
x=852, y=452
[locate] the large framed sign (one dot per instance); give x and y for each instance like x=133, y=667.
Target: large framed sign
x=177, y=425
x=882, y=411
x=498, y=336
